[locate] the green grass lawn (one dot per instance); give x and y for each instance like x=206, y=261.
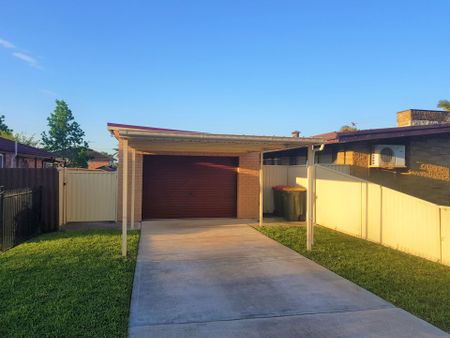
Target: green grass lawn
x=67, y=284
x=414, y=284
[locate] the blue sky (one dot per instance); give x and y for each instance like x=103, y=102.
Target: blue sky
x=254, y=67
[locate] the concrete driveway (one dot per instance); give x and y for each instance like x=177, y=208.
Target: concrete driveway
x=222, y=278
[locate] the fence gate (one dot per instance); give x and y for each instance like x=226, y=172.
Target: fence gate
x=87, y=195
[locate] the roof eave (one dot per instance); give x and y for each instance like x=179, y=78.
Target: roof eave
x=389, y=134
x=217, y=137
x=149, y=141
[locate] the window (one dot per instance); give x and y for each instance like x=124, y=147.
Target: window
x=1, y=161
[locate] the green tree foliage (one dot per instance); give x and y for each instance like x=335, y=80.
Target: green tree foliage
x=346, y=127
x=21, y=138
x=444, y=104
x=4, y=129
x=65, y=136
x=25, y=139
x=7, y=135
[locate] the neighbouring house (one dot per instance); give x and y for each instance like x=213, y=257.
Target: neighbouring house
x=17, y=155
x=413, y=157
x=167, y=173
x=98, y=160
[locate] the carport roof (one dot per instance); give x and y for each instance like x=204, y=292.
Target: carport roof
x=153, y=140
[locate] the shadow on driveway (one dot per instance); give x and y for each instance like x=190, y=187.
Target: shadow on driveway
x=222, y=278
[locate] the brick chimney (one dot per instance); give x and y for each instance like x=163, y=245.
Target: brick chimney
x=417, y=117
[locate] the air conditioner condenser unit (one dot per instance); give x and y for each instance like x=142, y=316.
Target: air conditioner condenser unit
x=388, y=156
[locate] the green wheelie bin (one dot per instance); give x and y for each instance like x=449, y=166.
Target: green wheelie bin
x=293, y=201
x=277, y=199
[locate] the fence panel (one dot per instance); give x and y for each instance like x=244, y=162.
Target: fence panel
x=47, y=178
x=342, y=168
x=338, y=201
x=445, y=234
x=89, y=195
x=373, y=212
x=295, y=171
x=379, y=214
x=20, y=216
x=273, y=175
x=288, y=175
x=410, y=224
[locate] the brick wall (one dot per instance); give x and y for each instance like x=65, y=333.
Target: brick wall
x=95, y=164
x=247, y=183
x=417, y=117
x=404, y=118
x=427, y=172
x=21, y=162
x=248, y=186
x=9, y=160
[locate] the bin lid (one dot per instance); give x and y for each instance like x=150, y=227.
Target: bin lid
x=280, y=187
x=288, y=188
x=295, y=189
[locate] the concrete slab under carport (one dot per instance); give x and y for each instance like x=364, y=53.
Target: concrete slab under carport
x=222, y=278
x=106, y=225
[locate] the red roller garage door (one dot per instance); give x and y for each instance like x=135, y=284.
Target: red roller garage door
x=189, y=186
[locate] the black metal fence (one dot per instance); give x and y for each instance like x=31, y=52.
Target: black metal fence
x=47, y=179
x=20, y=215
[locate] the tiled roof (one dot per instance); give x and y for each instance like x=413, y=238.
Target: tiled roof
x=384, y=133
x=98, y=156
x=23, y=149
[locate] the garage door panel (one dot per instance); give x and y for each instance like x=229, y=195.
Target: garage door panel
x=189, y=186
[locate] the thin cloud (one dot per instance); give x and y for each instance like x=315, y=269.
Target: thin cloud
x=6, y=44
x=28, y=59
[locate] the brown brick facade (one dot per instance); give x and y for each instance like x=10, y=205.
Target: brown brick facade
x=247, y=183
x=427, y=161
x=21, y=162
x=248, y=186
x=417, y=117
x=95, y=164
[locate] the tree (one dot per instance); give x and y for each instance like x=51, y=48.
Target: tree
x=25, y=139
x=21, y=138
x=444, y=104
x=3, y=127
x=6, y=135
x=346, y=127
x=65, y=136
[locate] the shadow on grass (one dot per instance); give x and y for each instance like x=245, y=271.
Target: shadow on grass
x=415, y=284
x=67, y=283
x=75, y=233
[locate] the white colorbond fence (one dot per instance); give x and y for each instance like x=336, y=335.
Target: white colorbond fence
x=87, y=195
x=376, y=213
x=272, y=175
x=286, y=175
